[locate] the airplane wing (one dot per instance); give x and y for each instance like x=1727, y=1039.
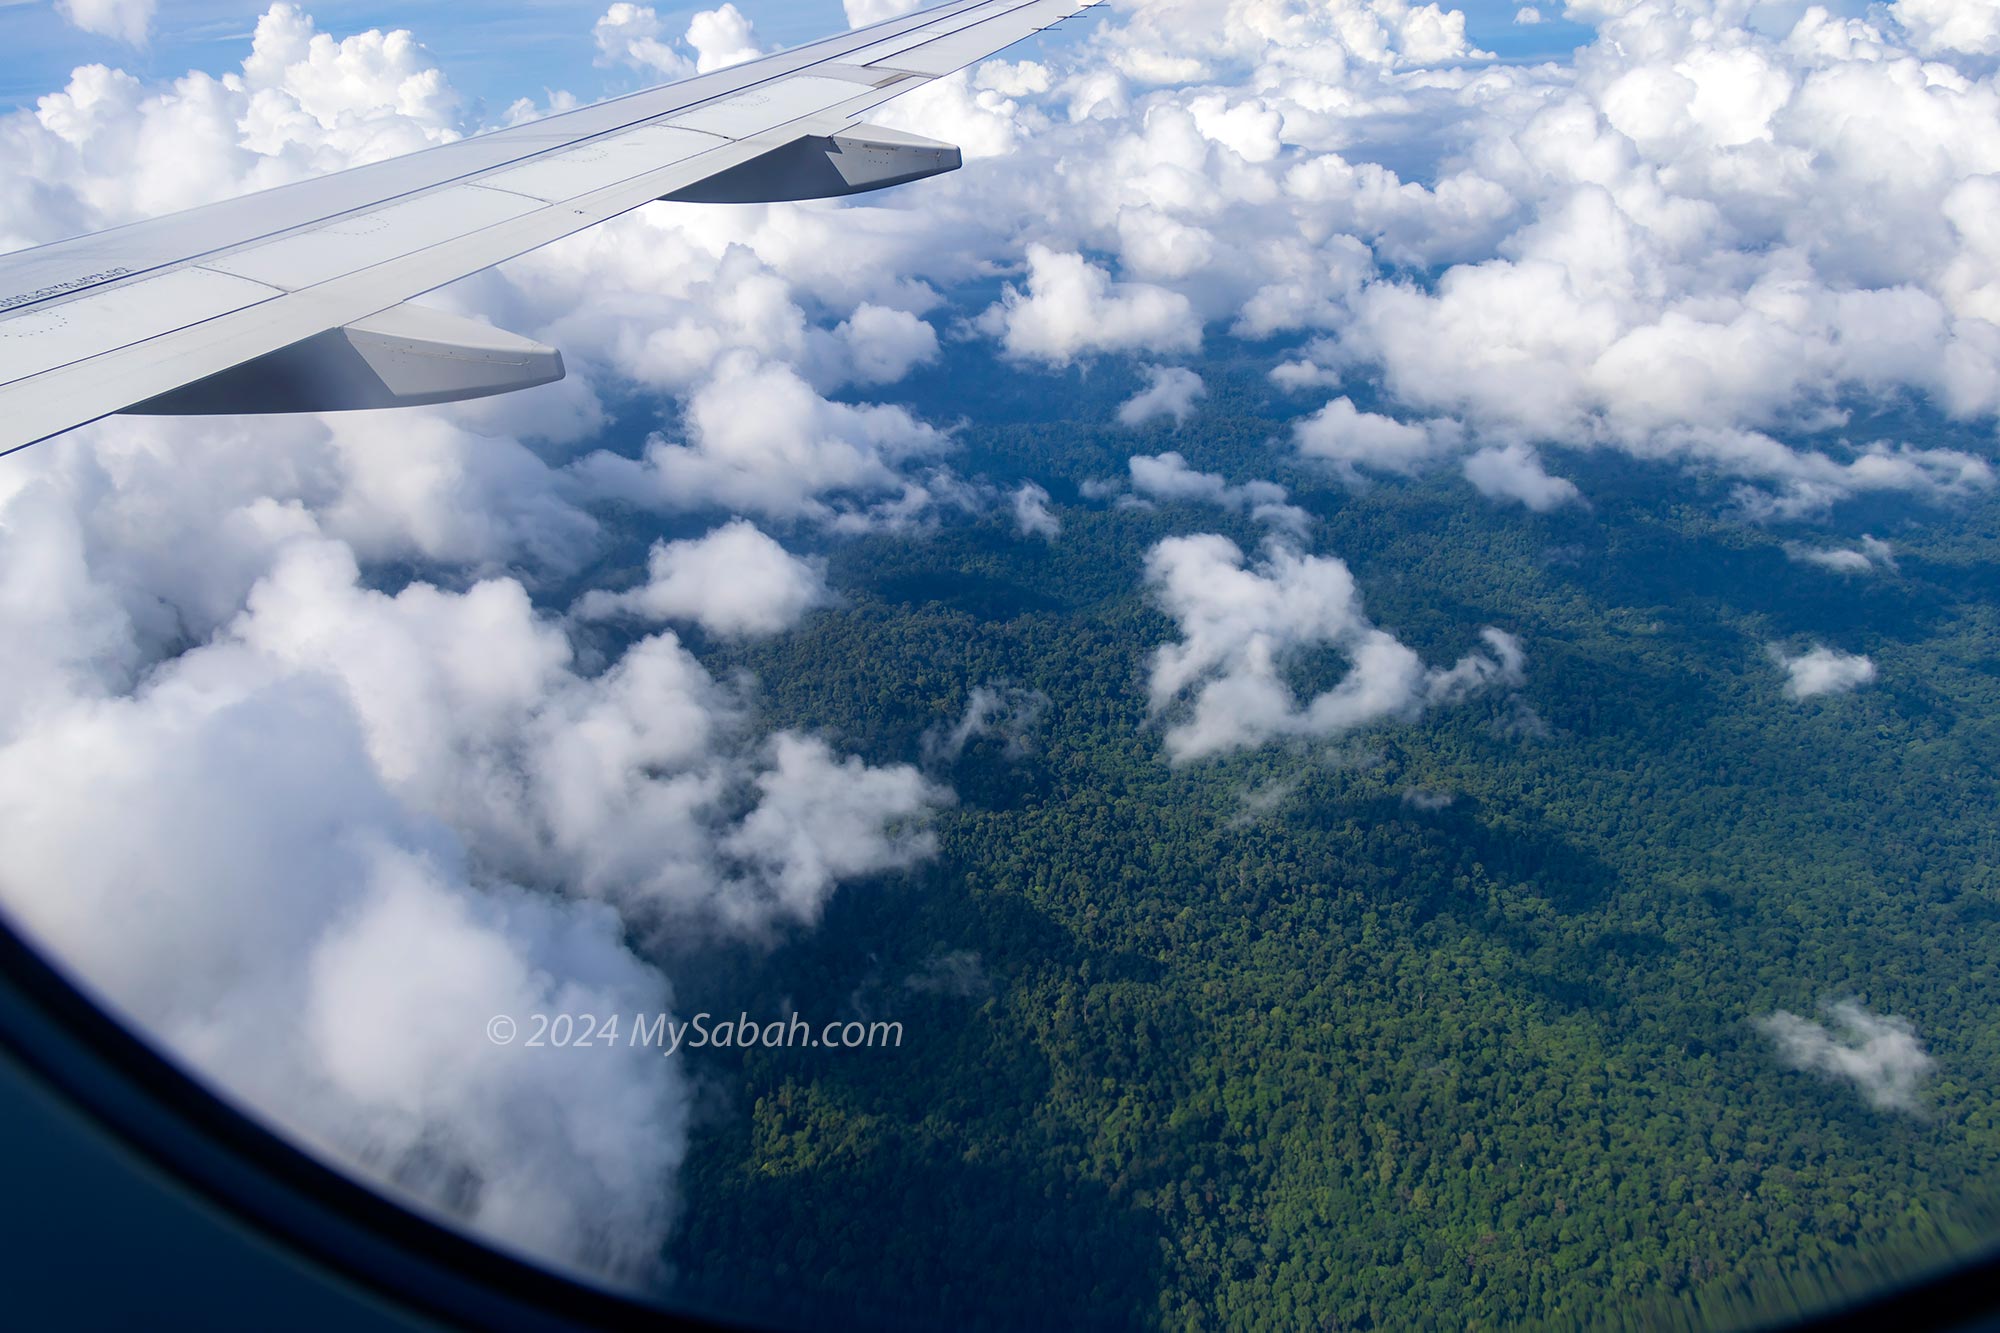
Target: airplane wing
x=292, y=299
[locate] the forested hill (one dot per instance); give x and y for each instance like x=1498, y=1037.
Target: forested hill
x=1450, y=1022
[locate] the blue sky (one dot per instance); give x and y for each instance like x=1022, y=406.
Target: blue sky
x=497, y=53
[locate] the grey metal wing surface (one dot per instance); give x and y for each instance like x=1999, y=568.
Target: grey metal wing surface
x=293, y=299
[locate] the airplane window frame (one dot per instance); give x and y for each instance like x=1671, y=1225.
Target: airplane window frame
x=321, y=1218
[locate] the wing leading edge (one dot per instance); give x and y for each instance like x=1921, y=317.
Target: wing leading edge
x=293, y=299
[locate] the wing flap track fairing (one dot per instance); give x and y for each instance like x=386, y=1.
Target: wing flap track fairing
x=406, y=356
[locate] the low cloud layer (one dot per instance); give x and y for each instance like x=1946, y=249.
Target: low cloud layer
x=1879, y=1054
x=1032, y=515
x=1822, y=670
x=1072, y=308
x=1171, y=391
x=1676, y=245
x=1167, y=477
x=1515, y=473
x=735, y=582
x=1005, y=712
x=1344, y=435
x=1871, y=555
x=760, y=440
x=339, y=776
x=1223, y=687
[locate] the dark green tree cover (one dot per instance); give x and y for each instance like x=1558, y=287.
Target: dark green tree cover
x=1257, y=1043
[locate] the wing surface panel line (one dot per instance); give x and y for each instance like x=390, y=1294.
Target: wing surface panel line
x=326, y=271
x=790, y=60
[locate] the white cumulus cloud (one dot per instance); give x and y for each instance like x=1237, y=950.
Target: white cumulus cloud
x=1950, y=27
x=1301, y=374
x=1072, y=308
x=1223, y=685
x=1350, y=438
x=1879, y=1054
x=761, y=440
x=1822, y=670
x=127, y=20
x=887, y=344
x=1515, y=472
x=1866, y=557
x=426, y=764
x=1171, y=391
x=634, y=35
x=721, y=38
x=735, y=581
x=1168, y=477
x=1032, y=516
x=631, y=34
